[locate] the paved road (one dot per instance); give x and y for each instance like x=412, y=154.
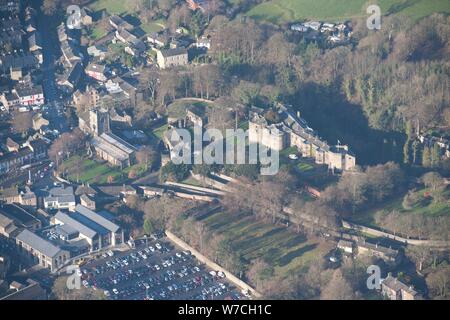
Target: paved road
x=378, y=233
x=19, y=176
x=52, y=96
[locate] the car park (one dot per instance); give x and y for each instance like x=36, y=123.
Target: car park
x=146, y=274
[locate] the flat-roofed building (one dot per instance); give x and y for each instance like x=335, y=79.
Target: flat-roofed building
x=96, y=71
x=41, y=251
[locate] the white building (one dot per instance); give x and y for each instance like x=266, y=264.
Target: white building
x=60, y=198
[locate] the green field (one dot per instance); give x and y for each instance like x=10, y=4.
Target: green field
x=282, y=11
x=285, y=250
x=421, y=207
x=98, y=31
x=154, y=26
x=112, y=6
x=306, y=169
x=123, y=7
x=93, y=171
x=178, y=108
x=193, y=182
x=158, y=132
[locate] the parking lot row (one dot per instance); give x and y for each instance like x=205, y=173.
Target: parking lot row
x=155, y=270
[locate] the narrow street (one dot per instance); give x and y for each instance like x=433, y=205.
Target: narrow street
x=49, y=42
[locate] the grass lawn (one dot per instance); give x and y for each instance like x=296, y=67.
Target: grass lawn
x=177, y=109
x=284, y=249
x=154, y=26
x=98, y=31
x=193, y=182
x=158, y=132
x=243, y=125
x=112, y=6
x=281, y=11
x=306, y=169
x=304, y=166
x=93, y=171
x=423, y=207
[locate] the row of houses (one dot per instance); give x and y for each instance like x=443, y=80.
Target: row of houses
x=21, y=42
x=389, y=255
x=14, y=217
x=23, y=95
x=27, y=153
x=20, y=58
x=430, y=141
x=125, y=32
x=391, y=288
x=24, y=196
x=335, y=33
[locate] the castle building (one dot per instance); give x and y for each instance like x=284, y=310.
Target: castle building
x=292, y=131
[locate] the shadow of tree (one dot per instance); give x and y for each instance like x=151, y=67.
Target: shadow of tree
x=335, y=118
x=287, y=258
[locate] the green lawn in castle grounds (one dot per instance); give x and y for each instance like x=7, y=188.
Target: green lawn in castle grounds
x=158, y=132
x=286, y=250
x=282, y=11
x=177, y=109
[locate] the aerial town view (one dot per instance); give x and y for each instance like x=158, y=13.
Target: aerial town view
x=232, y=150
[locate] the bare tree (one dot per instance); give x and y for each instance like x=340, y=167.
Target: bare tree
x=438, y=282
x=338, y=288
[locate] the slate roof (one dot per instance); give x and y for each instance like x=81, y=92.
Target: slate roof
x=99, y=219
x=397, y=285
x=25, y=91
x=18, y=214
x=75, y=224
x=173, y=52
x=38, y=243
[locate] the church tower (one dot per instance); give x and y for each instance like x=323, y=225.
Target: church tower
x=99, y=121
